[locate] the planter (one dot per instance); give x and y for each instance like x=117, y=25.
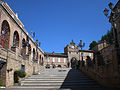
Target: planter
x=18, y=76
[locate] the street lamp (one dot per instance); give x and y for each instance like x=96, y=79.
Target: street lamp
x=112, y=17
x=111, y=6
x=106, y=12
x=81, y=46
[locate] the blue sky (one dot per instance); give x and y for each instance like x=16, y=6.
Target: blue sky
x=57, y=22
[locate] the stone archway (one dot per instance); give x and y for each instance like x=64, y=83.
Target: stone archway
x=33, y=54
x=74, y=62
x=59, y=66
x=16, y=39
x=23, y=49
x=5, y=35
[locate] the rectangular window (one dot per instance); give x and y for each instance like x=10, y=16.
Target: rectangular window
x=53, y=60
x=64, y=60
x=48, y=59
x=58, y=59
x=83, y=54
x=90, y=54
x=23, y=67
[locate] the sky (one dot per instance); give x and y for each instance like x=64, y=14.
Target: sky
x=57, y=22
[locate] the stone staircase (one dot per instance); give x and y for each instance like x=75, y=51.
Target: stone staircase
x=49, y=78
x=59, y=79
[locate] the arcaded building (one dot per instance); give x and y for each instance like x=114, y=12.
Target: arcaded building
x=18, y=50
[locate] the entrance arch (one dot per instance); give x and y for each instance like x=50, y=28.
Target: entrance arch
x=74, y=62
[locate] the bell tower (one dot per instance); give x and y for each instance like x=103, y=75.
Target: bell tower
x=72, y=51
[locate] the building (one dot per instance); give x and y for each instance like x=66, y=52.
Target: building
x=106, y=66
x=70, y=58
x=54, y=60
x=115, y=22
x=18, y=50
x=100, y=46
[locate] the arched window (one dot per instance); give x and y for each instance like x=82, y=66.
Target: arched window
x=33, y=54
x=29, y=49
x=40, y=60
x=59, y=66
x=23, y=49
x=36, y=56
x=16, y=39
x=5, y=35
x=74, y=62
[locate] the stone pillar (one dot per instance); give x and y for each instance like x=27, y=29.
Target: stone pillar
x=26, y=50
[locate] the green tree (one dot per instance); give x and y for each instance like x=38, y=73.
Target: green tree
x=108, y=37
x=92, y=44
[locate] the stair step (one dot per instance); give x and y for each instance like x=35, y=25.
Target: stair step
x=55, y=81
x=57, y=84
x=46, y=76
x=44, y=80
x=55, y=77
x=58, y=87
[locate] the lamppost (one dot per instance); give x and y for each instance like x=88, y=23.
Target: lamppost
x=81, y=46
x=112, y=18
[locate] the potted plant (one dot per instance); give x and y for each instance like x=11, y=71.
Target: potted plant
x=17, y=75
x=1, y=83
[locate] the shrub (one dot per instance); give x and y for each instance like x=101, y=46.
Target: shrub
x=1, y=83
x=17, y=74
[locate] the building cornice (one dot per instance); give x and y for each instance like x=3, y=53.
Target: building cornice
x=90, y=51
x=55, y=54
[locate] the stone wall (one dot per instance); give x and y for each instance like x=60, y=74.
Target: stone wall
x=3, y=74
x=105, y=73
x=14, y=63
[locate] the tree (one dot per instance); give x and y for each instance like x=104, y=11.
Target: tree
x=92, y=44
x=108, y=37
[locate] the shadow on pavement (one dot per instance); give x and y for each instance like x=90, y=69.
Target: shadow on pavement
x=76, y=80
